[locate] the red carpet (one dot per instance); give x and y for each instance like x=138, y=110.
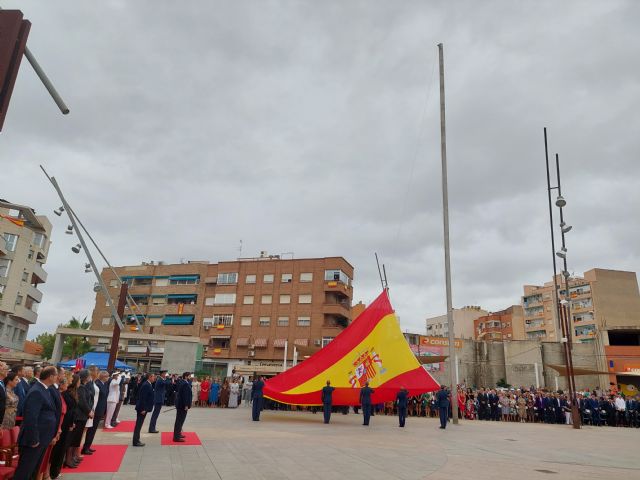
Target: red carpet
x=190, y=438
x=107, y=458
x=126, y=426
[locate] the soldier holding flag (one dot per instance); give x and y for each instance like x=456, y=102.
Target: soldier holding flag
x=327, y=401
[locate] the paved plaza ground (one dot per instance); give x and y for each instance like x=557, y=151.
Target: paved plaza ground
x=297, y=445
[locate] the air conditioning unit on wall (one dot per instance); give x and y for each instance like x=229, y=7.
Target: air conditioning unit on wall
x=251, y=353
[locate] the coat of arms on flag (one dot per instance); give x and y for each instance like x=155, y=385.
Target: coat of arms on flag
x=365, y=368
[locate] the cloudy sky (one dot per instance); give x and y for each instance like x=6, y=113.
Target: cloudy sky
x=313, y=128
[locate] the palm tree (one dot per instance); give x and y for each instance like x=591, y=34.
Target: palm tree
x=78, y=343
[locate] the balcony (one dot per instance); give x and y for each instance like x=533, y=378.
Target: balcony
x=38, y=275
x=217, y=352
x=25, y=314
x=3, y=246
x=34, y=293
x=336, y=286
x=338, y=308
x=534, y=326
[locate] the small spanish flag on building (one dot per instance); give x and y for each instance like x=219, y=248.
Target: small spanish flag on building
x=372, y=349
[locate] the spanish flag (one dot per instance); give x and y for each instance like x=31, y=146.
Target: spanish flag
x=372, y=349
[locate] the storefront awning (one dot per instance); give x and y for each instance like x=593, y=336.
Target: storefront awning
x=279, y=342
x=260, y=343
x=242, y=342
x=425, y=359
x=562, y=370
x=301, y=342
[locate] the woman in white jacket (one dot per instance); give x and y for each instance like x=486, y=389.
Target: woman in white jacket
x=112, y=398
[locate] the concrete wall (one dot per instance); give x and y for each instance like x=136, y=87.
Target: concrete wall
x=483, y=364
x=179, y=357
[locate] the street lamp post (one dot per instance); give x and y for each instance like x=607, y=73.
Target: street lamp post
x=562, y=307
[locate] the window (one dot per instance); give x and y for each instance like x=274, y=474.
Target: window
x=39, y=239
x=185, y=280
x=224, y=299
x=283, y=321
x=209, y=301
x=306, y=277
x=266, y=299
x=177, y=299
x=225, y=319
x=249, y=279
x=11, y=240
x=162, y=282
x=5, y=265
x=106, y=321
x=304, y=298
x=304, y=321
x=159, y=300
x=245, y=321
x=141, y=282
x=287, y=278
x=113, y=283
x=336, y=276
x=19, y=299
x=218, y=342
x=285, y=298
x=25, y=276
x=31, y=254
x=227, y=278
x=268, y=278
x=248, y=300
x=265, y=321
x=326, y=341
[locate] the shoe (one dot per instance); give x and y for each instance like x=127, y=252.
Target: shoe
x=441, y=428
x=66, y=465
x=92, y=450
x=139, y=444
x=86, y=452
x=108, y=427
x=154, y=431
x=179, y=439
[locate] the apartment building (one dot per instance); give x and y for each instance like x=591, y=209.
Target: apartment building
x=463, y=319
x=600, y=300
x=505, y=325
x=24, y=246
x=245, y=311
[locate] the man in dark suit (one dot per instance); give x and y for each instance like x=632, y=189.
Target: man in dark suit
x=4, y=369
x=184, y=397
x=143, y=406
x=159, y=392
x=98, y=414
x=494, y=405
x=327, y=401
x=21, y=388
x=483, y=405
x=39, y=425
x=365, y=400
x=256, y=398
x=402, y=398
x=442, y=401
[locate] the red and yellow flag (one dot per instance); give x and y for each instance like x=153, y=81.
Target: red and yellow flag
x=372, y=349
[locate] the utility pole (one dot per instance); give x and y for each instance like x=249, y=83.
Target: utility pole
x=447, y=261
x=115, y=339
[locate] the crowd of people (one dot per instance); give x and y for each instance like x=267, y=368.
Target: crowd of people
x=58, y=412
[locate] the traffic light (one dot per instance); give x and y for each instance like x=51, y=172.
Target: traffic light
x=13, y=39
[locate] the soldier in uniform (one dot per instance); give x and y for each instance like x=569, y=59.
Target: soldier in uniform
x=365, y=401
x=401, y=401
x=327, y=393
x=442, y=400
x=256, y=396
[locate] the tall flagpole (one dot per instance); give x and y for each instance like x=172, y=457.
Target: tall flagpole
x=447, y=261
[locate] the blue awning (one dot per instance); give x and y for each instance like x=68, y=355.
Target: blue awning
x=181, y=296
x=184, y=277
x=158, y=296
x=140, y=296
x=178, y=320
x=127, y=277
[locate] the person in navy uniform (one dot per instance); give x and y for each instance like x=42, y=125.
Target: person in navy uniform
x=402, y=399
x=365, y=401
x=39, y=425
x=184, y=397
x=256, y=397
x=327, y=401
x=442, y=401
x=143, y=406
x=159, y=392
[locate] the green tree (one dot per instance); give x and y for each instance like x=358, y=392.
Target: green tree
x=46, y=340
x=76, y=346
